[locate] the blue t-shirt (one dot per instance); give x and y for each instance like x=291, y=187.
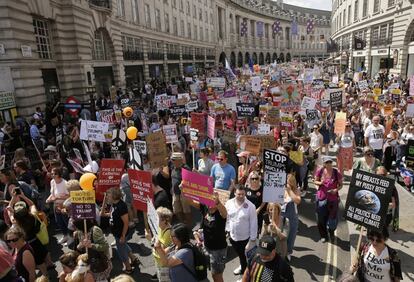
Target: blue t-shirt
x=223, y=176
x=179, y=273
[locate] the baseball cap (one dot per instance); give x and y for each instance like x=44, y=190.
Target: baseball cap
x=327, y=159
x=266, y=245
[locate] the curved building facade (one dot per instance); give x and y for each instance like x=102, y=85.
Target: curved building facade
x=375, y=35
x=50, y=50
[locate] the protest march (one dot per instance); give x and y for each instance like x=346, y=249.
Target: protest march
x=217, y=163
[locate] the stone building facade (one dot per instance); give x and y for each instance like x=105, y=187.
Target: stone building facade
x=53, y=49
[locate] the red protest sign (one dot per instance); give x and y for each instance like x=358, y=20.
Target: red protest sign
x=198, y=121
x=110, y=175
x=141, y=188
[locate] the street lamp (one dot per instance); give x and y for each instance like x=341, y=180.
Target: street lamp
x=54, y=94
x=91, y=90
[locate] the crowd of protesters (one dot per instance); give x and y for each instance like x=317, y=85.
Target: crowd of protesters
x=36, y=188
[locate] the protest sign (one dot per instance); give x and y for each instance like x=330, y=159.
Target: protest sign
x=164, y=102
x=263, y=109
x=412, y=85
x=197, y=187
x=273, y=116
x=308, y=103
x=93, y=130
x=256, y=83
x=110, y=174
x=118, y=143
x=409, y=154
x=274, y=176
x=229, y=93
x=141, y=188
x=107, y=116
x=312, y=117
x=263, y=129
x=193, y=134
x=308, y=76
x=223, y=195
x=266, y=142
x=357, y=76
x=198, y=121
x=410, y=110
x=335, y=97
x=363, y=85
x=368, y=198
x=170, y=132
x=387, y=110
x=229, y=136
x=340, y=121
x=245, y=109
x=291, y=100
x=157, y=151
x=182, y=99
x=251, y=144
x=191, y=106
x=140, y=146
x=377, y=91
x=153, y=220
x=286, y=119
x=230, y=103
x=177, y=111
x=76, y=166
x=211, y=127
x=135, y=159
x=83, y=204
x=216, y=82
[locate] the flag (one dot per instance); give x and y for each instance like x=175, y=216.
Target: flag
x=243, y=28
x=309, y=26
x=260, y=29
x=276, y=28
x=328, y=47
x=294, y=28
x=250, y=63
x=229, y=70
x=359, y=43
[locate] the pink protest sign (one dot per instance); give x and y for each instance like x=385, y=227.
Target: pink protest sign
x=412, y=85
x=211, y=127
x=197, y=187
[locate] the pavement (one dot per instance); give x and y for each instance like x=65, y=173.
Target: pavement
x=312, y=260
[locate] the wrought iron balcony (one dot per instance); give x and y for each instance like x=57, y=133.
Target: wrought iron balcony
x=199, y=57
x=187, y=56
x=381, y=42
x=173, y=56
x=155, y=56
x=101, y=3
x=133, y=55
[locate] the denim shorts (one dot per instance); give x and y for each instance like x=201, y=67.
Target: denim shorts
x=217, y=260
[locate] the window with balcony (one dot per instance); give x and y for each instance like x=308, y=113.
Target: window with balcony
x=157, y=19
x=175, y=26
x=41, y=31
x=377, y=4
x=132, y=48
x=356, y=10
x=173, y=52
x=135, y=11
x=147, y=12
x=121, y=8
x=155, y=50
x=167, y=22
x=101, y=3
x=364, y=8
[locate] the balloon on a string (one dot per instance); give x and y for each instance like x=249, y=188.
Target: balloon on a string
x=128, y=112
x=132, y=132
x=86, y=181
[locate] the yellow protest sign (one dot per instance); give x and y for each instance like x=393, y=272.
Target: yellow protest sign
x=82, y=197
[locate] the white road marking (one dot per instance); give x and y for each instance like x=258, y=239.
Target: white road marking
x=328, y=262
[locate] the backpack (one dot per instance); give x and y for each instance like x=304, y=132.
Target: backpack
x=43, y=234
x=200, y=263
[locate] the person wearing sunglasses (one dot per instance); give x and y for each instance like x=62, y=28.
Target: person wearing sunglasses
x=376, y=260
x=374, y=137
x=346, y=143
x=24, y=260
x=368, y=162
x=223, y=173
x=254, y=193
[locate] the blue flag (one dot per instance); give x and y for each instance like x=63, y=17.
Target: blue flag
x=250, y=63
x=294, y=28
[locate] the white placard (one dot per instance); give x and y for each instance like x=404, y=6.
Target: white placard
x=410, y=110
x=191, y=106
x=170, y=132
x=256, y=83
x=308, y=103
x=93, y=130
x=216, y=82
x=153, y=220
x=140, y=146
x=230, y=103
x=263, y=129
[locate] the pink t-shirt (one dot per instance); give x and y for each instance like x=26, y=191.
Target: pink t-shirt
x=328, y=184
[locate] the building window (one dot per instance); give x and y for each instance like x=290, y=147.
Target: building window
x=205, y=16
x=189, y=30
x=376, y=6
x=211, y=18
x=121, y=8
x=365, y=8
x=181, y=5
x=147, y=16
x=135, y=11
x=208, y=35
x=41, y=30
x=390, y=31
x=100, y=50
x=182, y=28
x=231, y=24
x=195, y=33
x=356, y=11
x=174, y=4
x=157, y=19
x=188, y=8
x=349, y=14
x=167, y=22
x=200, y=14
x=201, y=34
x=391, y=3
x=194, y=11
x=175, y=26
x=344, y=20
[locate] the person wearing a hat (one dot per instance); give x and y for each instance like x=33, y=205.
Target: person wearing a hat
x=368, y=162
x=267, y=265
x=181, y=207
x=329, y=182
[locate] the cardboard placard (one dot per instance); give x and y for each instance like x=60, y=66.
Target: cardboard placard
x=387, y=110
x=229, y=136
x=224, y=195
x=141, y=188
x=273, y=116
x=83, y=204
x=110, y=174
x=197, y=187
x=275, y=176
x=245, y=109
x=368, y=198
x=250, y=144
x=157, y=151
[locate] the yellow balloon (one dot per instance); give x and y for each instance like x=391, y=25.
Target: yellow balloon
x=86, y=181
x=128, y=111
x=132, y=132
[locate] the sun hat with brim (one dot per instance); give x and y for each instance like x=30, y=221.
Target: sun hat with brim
x=177, y=156
x=327, y=159
x=266, y=245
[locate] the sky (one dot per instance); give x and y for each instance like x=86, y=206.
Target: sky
x=316, y=4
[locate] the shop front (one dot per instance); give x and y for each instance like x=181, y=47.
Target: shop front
x=104, y=79
x=174, y=70
x=358, y=60
x=134, y=76
x=379, y=59
x=156, y=71
x=410, y=60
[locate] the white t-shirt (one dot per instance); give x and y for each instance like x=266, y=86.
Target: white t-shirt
x=377, y=268
x=58, y=189
x=316, y=140
x=375, y=136
x=347, y=140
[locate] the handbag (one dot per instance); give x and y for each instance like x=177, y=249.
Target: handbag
x=43, y=234
x=98, y=261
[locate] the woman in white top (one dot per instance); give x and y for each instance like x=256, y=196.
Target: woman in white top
x=346, y=143
x=58, y=194
x=316, y=144
x=205, y=163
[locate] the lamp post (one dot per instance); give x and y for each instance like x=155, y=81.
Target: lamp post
x=388, y=62
x=91, y=90
x=54, y=94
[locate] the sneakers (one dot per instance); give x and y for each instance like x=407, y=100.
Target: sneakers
x=63, y=240
x=237, y=271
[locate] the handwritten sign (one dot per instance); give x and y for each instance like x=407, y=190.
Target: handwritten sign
x=197, y=187
x=157, y=151
x=250, y=144
x=308, y=103
x=93, y=130
x=229, y=136
x=274, y=176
